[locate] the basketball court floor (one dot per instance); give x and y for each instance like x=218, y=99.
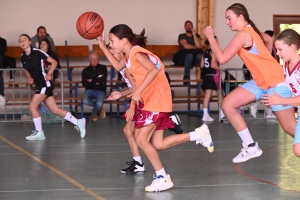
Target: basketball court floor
x=67, y=167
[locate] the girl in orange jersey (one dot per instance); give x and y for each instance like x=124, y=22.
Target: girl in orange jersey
x=153, y=98
x=267, y=77
x=287, y=44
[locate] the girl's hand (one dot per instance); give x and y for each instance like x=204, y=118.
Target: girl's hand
x=48, y=77
x=270, y=100
x=101, y=40
x=136, y=97
x=114, y=95
x=209, y=32
x=130, y=113
x=30, y=80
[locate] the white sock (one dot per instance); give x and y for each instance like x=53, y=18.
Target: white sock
x=161, y=172
x=71, y=118
x=38, y=123
x=246, y=136
x=138, y=159
x=222, y=115
x=205, y=112
x=194, y=136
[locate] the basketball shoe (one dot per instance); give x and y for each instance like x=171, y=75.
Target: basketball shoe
x=134, y=168
x=160, y=183
x=81, y=127
x=205, y=138
x=178, y=129
x=36, y=135
x=248, y=153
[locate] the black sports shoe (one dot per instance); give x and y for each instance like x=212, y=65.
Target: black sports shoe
x=134, y=168
x=178, y=129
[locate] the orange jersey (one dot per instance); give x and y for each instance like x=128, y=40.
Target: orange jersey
x=157, y=96
x=265, y=70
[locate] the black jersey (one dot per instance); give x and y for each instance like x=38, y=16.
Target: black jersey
x=208, y=70
x=35, y=65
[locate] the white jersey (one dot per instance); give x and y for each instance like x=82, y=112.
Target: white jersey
x=122, y=72
x=292, y=78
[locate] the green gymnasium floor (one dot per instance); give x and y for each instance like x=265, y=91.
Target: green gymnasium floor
x=67, y=167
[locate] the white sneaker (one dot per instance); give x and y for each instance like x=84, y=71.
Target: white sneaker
x=160, y=183
x=248, y=153
x=207, y=118
x=36, y=135
x=81, y=127
x=253, y=110
x=222, y=115
x=205, y=138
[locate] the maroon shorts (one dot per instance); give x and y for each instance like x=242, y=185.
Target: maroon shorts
x=160, y=119
x=135, y=111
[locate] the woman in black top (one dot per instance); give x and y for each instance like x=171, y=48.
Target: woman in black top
x=33, y=61
x=45, y=46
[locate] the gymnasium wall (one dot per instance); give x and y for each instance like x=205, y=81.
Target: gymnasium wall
x=163, y=19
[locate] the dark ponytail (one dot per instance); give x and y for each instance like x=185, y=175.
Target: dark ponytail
x=240, y=9
x=123, y=31
x=141, y=39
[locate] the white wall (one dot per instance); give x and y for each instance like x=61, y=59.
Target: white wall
x=163, y=19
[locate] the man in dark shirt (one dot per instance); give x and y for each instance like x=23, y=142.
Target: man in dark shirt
x=5, y=62
x=94, y=80
x=190, y=41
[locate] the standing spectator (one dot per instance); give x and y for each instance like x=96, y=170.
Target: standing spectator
x=41, y=33
x=45, y=46
x=94, y=80
x=190, y=49
x=274, y=54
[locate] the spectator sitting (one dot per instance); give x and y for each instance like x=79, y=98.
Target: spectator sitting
x=190, y=52
x=41, y=34
x=94, y=80
x=45, y=46
x=6, y=62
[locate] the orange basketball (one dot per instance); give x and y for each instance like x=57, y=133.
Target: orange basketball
x=90, y=25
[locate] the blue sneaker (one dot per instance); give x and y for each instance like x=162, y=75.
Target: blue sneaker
x=81, y=127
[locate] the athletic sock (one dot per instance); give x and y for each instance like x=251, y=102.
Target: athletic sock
x=246, y=136
x=205, y=112
x=138, y=159
x=38, y=123
x=193, y=136
x=161, y=172
x=71, y=118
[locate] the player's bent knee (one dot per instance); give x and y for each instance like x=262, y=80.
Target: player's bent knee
x=158, y=147
x=128, y=132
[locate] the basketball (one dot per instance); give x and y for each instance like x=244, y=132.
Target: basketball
x=90, y=25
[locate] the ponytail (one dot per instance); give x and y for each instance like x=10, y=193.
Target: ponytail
x=256, y=30
x=140, y=39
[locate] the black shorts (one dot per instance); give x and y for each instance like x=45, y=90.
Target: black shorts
x=210, y=83
x=48, y=91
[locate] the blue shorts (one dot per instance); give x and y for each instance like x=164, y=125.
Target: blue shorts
x=282, y=89
x=297, y=132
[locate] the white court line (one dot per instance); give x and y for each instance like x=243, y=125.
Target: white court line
x=117, y=144
x=108, y=152
x=127, y=188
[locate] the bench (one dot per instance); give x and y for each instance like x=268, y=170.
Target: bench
x=82, y=51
